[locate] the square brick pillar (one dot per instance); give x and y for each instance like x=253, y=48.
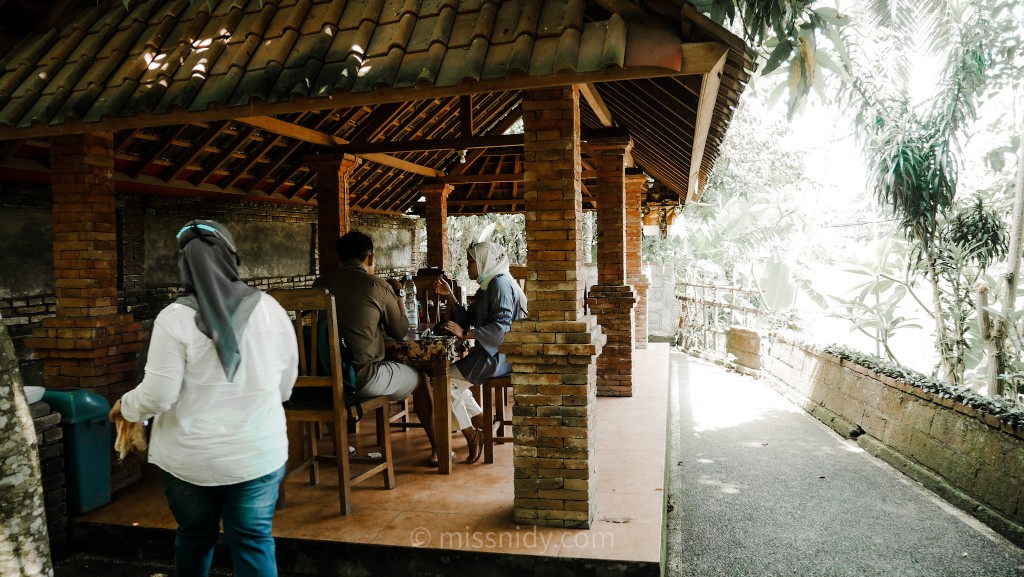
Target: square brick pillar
x=635, y=191
x=332, y=203
x=611, y=299
x=437, y=223
x=553, y=351
x=88, y=344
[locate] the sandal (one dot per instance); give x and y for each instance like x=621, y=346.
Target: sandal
x=478, y=444
x=432, y=462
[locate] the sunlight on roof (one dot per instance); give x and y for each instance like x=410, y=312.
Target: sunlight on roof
x=155, y=62
x=199, y=70
x=202, y=45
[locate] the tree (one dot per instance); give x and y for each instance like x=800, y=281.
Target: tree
x=25, y=545
x=912, y=147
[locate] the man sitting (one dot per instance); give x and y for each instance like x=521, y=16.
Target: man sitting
x=368, y=308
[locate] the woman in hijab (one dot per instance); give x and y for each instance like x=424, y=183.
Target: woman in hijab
x=222, y=359
x=498, y=303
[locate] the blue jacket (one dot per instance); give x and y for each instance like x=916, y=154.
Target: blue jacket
x=490, y=315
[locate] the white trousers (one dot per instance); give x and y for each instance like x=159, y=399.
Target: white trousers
x=464, y=405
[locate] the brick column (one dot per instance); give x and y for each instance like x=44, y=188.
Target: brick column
x=332, y=203
x=635, y=181
x=437, y=223
x=553, y=351
x=88, y=345
x=611, y=299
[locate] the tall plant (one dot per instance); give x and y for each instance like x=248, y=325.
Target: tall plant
x=912, y=148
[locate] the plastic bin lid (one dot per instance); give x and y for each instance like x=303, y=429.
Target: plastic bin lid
x=76, y=406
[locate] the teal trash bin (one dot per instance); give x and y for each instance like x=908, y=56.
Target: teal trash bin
x=87, y=440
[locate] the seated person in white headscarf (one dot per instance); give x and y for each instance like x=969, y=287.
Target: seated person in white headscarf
x=498, y=303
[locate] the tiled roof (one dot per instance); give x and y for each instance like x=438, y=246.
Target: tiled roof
x=170, y=76
x=163, y=56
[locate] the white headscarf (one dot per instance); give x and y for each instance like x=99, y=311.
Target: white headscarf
x=491, y=261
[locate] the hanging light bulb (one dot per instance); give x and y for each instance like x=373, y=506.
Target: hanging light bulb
x=462, y=156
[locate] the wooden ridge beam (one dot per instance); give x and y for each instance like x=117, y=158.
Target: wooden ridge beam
x=297, y=132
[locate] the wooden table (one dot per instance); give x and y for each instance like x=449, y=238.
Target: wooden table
x=433, y=355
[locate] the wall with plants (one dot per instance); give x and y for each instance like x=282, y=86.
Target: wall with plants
x=966, y=447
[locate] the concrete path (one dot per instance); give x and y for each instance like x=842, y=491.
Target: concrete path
x=758, y=487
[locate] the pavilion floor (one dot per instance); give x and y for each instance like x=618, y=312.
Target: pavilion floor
x=471, y=509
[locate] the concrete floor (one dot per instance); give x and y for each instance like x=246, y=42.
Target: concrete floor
x=758, y=487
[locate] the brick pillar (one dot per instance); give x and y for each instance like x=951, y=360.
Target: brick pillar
x=88, y=345
x=332, y=203
x=552, y=352
x=635, y=181
x=437, y=223
x=611, y=299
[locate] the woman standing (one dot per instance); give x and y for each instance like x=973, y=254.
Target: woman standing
x=498, y=303
x=222, y=359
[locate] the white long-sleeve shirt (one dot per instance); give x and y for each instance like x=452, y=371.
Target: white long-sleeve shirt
x=208, y=431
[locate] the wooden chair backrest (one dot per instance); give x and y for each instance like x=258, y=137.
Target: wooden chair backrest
x=308, y=307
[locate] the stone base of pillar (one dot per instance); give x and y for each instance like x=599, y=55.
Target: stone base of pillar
x=613, y=306
x=640, y=284
x=97, y=353
x=554, y=388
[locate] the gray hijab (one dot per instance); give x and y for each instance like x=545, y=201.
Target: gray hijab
x=208, y=263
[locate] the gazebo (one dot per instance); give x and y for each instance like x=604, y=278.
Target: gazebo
x=366, y=108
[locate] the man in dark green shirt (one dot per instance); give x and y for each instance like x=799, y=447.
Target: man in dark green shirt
x=369, y=308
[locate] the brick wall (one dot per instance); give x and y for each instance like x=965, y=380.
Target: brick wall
x=552, y=351
x=969, y=457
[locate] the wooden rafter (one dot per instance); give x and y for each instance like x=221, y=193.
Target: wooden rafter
x=498, y=141
x=290, y=130
x=197, y=148
x=214, y=164
x=159, y=149
x=593, y=98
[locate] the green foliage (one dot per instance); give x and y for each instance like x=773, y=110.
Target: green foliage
x=1003, y=409
x=979, y=231
x=786, y=32
x=508, y=230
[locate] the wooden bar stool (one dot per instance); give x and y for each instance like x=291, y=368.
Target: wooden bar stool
x=495, y=391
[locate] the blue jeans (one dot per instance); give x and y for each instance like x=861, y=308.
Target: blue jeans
x=247, y=510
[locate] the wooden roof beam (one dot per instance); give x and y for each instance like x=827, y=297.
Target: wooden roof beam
x=590, y=93
x=498, y=141
x=297, y=132
x=705, y=111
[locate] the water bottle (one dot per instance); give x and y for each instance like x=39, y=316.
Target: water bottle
x=412, y=306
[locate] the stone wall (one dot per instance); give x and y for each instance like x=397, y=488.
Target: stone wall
x=969, y=457
x=662, y=306
x=26, y=296
x=745, y=346
x=51, y=464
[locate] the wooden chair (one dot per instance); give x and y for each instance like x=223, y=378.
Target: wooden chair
x=309, y=307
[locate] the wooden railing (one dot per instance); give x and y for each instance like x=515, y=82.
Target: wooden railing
x=707, y=310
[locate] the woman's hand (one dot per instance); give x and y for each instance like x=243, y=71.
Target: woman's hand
x=441, y=286
x=454, y=328
x=115, y=411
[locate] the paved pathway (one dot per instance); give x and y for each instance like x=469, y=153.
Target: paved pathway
x=758, y=487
